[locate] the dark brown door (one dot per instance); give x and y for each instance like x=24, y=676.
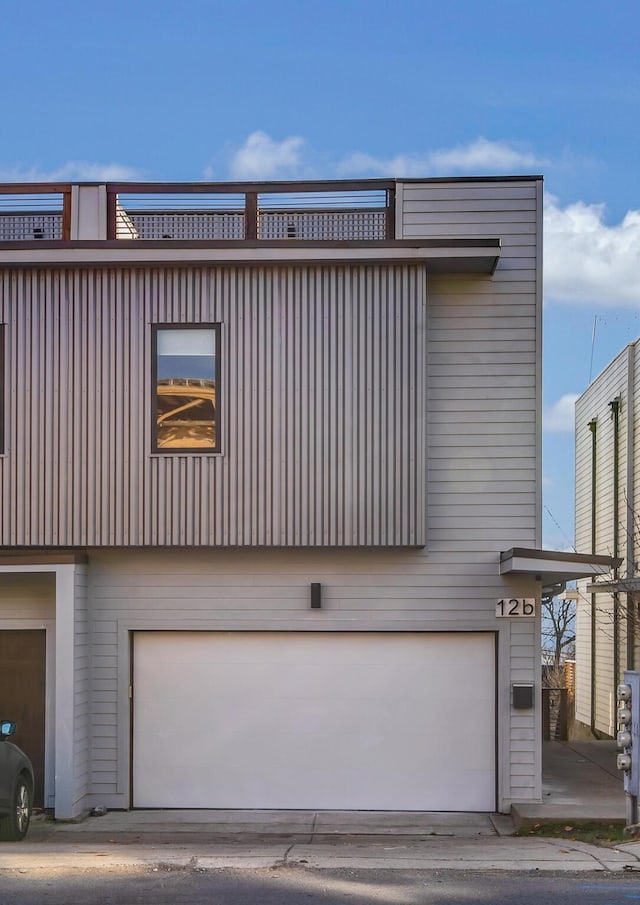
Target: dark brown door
x=22, y=695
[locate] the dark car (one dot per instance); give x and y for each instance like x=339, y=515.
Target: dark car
x=16, y=787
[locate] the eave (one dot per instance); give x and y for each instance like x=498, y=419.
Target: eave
x=474, y=256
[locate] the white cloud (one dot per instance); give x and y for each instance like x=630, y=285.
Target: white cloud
x=588, y=261
x=559, y=417
x=261, y=157
x=477, y=157
x=361, y=164
x=73, y=171
x=485, y=155
x=585, y=260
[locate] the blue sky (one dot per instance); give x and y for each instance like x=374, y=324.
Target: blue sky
x=238, y=89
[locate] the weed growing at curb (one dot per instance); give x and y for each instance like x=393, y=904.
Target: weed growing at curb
x=603, y=834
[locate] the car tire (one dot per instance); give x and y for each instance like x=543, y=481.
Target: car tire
x=14, y=826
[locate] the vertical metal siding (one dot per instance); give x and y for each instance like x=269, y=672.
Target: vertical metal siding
x=321, y=408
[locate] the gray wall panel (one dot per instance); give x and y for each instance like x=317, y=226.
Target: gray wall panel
x=483, y=409
x=321, y=408
x=594, y=403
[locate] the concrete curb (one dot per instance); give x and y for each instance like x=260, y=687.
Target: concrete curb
x=531, y=814
x=473, y=854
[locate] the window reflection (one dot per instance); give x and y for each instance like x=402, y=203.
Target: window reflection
x=186, y=372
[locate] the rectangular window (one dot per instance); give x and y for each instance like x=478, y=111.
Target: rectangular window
x=186, y=364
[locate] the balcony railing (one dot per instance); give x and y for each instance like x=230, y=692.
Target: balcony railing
x=335, y=211
x=38, y=211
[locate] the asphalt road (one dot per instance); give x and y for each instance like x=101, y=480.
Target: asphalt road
x=297, y=886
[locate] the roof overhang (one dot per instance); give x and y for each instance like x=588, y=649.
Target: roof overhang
x=477, y=256
x=552, y=567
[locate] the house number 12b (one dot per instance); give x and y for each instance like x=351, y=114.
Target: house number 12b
x=516, y=606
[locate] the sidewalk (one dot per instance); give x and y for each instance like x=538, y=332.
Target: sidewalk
x=579, y=783
x=403, y=853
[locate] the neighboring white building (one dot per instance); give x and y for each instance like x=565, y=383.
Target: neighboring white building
x=262, y=495
x=608, y=519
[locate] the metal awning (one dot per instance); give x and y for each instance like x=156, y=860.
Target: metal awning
x=552, y=567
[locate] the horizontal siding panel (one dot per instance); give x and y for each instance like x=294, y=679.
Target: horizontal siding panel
x=518, y=447
x=474, y=430
x=525, y=788
x=268, y=573
x=503, y=534
x=416, y=208
x=254, y=566
x=468, y=317
x=489, y=364
x=278, y=599
x=482, y=387
x=521, y=769
x=524, y=415
x=462, y=528
x=469, y=332
x=467, y=392
x=498, y=510
x=478, y=229
x=513, y=472
x=124, y=575
x=487, y=219
x=514, y=188
x=485, y=349
x=522, y=734
x=500, y=406
x=484, y=492
x=499, y=305
x=518, y=745
x=475, y=287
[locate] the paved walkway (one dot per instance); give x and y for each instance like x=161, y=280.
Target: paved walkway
x=404, y=853
x=299, y=827
x=580, y=782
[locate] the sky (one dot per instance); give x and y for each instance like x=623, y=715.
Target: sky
x=236, y=89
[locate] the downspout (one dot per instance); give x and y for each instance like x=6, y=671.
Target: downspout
x=615, y=414
x=593, y=428
x=630, y=521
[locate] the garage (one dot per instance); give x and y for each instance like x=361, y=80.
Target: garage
x=314, y=720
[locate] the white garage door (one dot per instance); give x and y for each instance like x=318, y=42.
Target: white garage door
x=314, y=721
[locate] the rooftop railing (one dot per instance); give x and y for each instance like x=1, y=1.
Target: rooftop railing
x=321, y=211
x=338, y=211
x=294, y=211
x=37, y=211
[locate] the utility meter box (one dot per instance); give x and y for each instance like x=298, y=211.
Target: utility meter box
x=628, y=734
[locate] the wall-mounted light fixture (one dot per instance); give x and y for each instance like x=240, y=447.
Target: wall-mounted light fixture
x=316, y=595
